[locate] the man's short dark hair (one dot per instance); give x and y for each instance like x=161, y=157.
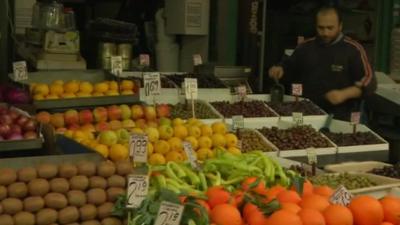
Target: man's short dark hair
x=325, y=9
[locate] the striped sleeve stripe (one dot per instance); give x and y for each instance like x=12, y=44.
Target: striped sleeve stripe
x=367, y=67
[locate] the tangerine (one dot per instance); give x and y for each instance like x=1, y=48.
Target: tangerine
x=366, y=210
x=284, y=217
x=338, y=215
x=311, y=217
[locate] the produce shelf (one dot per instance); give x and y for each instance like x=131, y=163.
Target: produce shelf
x=21, y=145
x=362, y=167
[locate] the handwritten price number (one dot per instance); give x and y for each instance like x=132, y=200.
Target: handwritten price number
x=187, y=147
x=197, y=60
x=138, y=186
x=341, y=196
x=169, y=214
x=116, y=65
x=138, y=148
x=152, y=84
x=237, y=122
x=312, y=156
x=20, y=71
x=298, y=118
x=191, y=88
x=355, y=117
x=144, y=60
x=297, y=89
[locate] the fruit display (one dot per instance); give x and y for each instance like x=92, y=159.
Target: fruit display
x=64, y=194
x=15, y=125
x=304, y=106
x=60, y=89
x=350, y=139
x=298, y=137
x=245, y=108
x=388, y=171
x=103, y=118
x=203, y=80
x=350, y=181
x=251, y=141
x=184, y=111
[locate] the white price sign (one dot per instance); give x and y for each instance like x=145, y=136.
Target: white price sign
x=152, y=84
x=169, y=214
x=138, y=148
x=237, y=122
x=116, y=65
x=297, y=118
x=187, y=147
x=355, y=117
x=197, y=60
x=312, y=156
x=242, y=91
x=191, y=88
x=341, y=196
x=144, y=60
x=297, y=89
x=20, y=71
x=138, y=186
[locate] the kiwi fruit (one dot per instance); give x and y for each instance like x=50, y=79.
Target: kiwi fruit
x=27, y=174
x=3, y=192
x=86, y=168
x=24, y=218
x=96, y=196
x=47, y=170
x=67, y=170
x=106, y=169
x=104, y=210
x=91, y=222
x=33, y=203
x=111, y=221
x=68, y=215
x=38, y=187
x=88, y=212
x=12, y=205
x=79, y=182
x=59, y=185
x=55, y=200
x=76, y=198
x=97, y=182
x=8, y=176
x=7, y=219
x=123, y=167
x=114, y=192
x=116, y=181
x=17, y=190
x=46, y=216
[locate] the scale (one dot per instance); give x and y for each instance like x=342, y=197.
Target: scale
x=231, y=76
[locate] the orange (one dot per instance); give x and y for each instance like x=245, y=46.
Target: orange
x=42, y=89
x=156, y=159
x=366, y=210
x=324, y=190
x=231, y=140
x=193, y=141
x=102, y=150
x=284, y=217
x=308, y=188
x=175, y=144
x=71, y=86
x=112, y=93
x=86, y=87
x=113, y=85
x=161, y=147
x=314, y=201
x=56, y=89
x=174, y=156
x=311, y=217
x=249, y=181
x=43, y=117
x=274, y=191
x=217, y=195
x=180, y=131
x=205, y=142
x=391, y=209
x=204, y=153
x=118, y=152
x=218, y=140
x=219, y=127
x=101, y=87
x=68, y=95
x=38, y=97
x=206, y=130
x=338, y=215
x=288, y=196
x=127, y=85
x=256, y=217
x=248, y=209
x=226, y=214
x=387, y=223
x=291, y=207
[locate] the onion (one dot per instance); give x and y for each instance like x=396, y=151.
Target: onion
x=15, y=129
x=30, y=125
x=4, y=129
x=21, y=120
x=6, y=119
x=17, y=96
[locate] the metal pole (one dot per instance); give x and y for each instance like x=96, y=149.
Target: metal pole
x=262, y=52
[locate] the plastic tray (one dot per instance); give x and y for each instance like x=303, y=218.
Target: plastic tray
x=362, y=167
x=265, y=142
x=86, y=75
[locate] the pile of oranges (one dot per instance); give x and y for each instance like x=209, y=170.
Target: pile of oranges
x=59, y=89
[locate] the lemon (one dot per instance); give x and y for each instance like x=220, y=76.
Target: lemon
x=156, y=159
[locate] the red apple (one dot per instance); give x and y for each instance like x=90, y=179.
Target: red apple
x=4, y=129
x=74, y=127
x=85, y=116
x=30, y=135
x=21, y=120
x=71, y=116
x=14, y=137
x=6, y=119
x=150, y=113
x=13, y=114
x=163, y=110
x=137, y=112
x=30, y=125
x=114, y=112
x=15, y=129
x=43, y=117
x=141, y=123
x=102, y=126
x=100, y=114
x=3, y=110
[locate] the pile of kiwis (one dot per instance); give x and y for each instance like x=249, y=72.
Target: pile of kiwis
x=82, y=193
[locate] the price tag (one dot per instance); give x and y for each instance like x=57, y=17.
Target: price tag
x=197, y=60
x=116, y=65
x=144, y=60
x=138, y=186
x=169, y=214
x=152, y=84
x=312, y=156
x=138, y=148
x=187, y=147
x=191, y=88
x=355, y=117
x=242, y=91
x=297, y=89
x=237, y=122
x=20, y=71
x=341, y=196
x=297, y=118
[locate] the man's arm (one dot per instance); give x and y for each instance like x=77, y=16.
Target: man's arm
x=361, y=74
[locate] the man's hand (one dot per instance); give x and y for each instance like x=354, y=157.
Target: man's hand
x=276, y=72
x=336, y=97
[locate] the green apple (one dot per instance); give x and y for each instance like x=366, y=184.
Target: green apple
x=165, y=121
x=123, y=136
x=125, y=112
x=108, y=138
x=166, y=131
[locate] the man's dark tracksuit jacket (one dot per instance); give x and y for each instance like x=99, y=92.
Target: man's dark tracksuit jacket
x=323, y=67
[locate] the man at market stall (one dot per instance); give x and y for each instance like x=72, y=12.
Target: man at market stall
x=333, y=69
